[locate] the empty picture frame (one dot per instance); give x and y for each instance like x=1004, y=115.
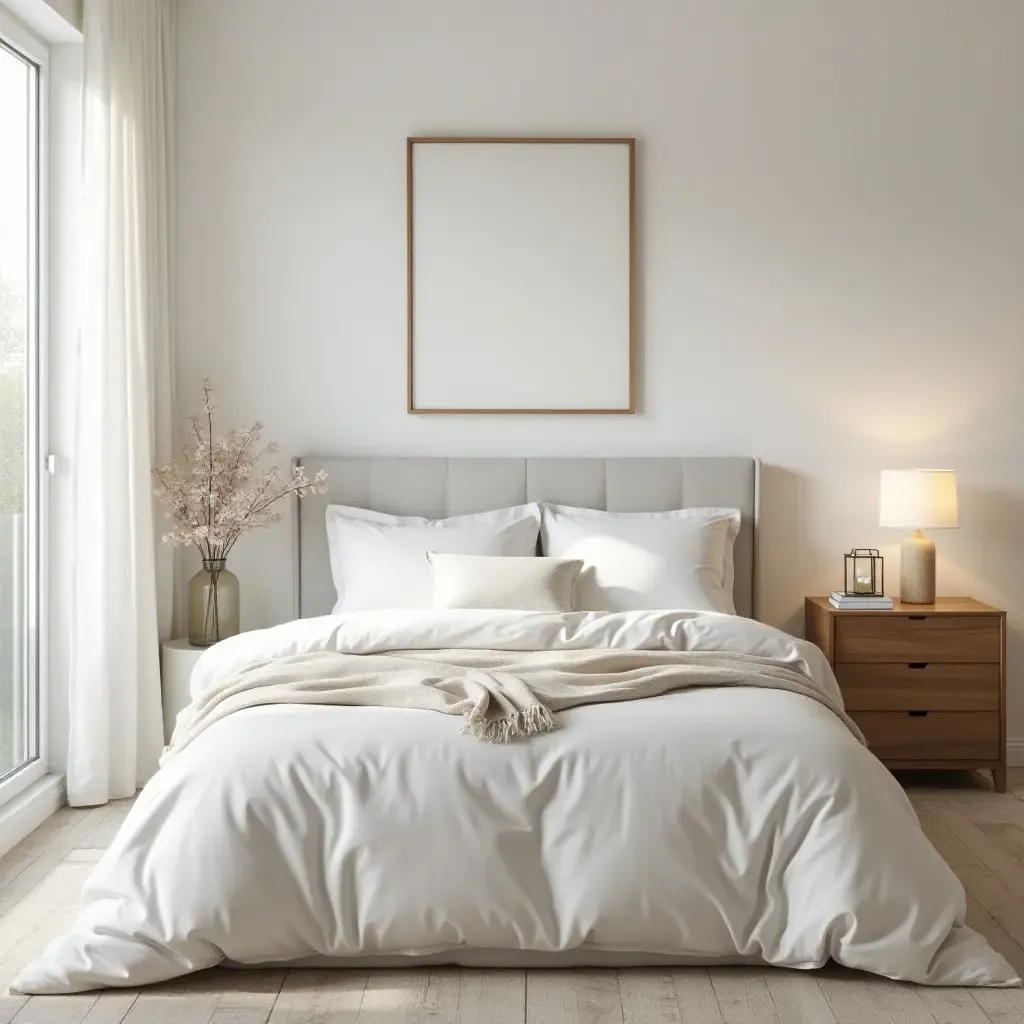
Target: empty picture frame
x=521, y=291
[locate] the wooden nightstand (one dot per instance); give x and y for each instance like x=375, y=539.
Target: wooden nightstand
x=926, y=683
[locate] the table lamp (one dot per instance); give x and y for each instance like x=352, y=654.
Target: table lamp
x=922, y=499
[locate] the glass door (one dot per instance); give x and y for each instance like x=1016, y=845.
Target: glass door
x=19, y=408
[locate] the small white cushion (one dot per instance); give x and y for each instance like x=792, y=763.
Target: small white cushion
x=379, y=560
x=681, y=559
x=489, y=581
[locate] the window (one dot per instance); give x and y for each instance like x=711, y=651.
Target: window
x=21, y=67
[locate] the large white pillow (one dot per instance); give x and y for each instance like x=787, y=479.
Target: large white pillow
x=492, y=581
x=379, y=561
x=637, y=560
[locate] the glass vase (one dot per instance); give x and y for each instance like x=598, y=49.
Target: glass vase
x=212, y=604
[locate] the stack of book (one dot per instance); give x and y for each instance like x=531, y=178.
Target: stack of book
x=858, y=602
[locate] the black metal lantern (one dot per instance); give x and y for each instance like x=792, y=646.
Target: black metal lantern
x=865, y=573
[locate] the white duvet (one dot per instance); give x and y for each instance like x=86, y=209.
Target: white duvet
x=710, y=825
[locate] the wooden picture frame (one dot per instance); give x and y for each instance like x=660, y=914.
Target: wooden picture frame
x=521, y=256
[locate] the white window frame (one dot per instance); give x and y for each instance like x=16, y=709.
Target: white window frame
x=28, y=44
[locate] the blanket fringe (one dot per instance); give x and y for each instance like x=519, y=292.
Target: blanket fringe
x=519, y=725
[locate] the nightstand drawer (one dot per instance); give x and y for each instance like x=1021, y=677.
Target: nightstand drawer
x=934, y=735
x=918, y=686
x=907, y=638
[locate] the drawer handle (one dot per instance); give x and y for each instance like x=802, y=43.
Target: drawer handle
x=917, y=714
x=917, y=618
x=918, y=664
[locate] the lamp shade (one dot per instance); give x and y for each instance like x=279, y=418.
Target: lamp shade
x=918, y=498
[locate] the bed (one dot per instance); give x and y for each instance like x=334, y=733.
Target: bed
x=720, y=809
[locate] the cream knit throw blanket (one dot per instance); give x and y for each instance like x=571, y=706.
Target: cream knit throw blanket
x=502, y=695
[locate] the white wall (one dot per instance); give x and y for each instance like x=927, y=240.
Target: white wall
x=831, y=244
x=57, y=21
x=69, y=10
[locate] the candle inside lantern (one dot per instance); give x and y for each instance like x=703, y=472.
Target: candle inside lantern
x=862, y=578
x=863, y=575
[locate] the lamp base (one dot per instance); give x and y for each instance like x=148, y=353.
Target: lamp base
x=917, y=570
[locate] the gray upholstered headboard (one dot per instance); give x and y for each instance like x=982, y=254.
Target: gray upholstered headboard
x=435, y=488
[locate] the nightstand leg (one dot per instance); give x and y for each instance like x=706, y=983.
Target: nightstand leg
x=999, y=778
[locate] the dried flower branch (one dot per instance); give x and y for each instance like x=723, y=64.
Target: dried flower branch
x=215, y=492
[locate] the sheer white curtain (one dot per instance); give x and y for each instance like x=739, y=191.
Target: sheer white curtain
x=122, y=578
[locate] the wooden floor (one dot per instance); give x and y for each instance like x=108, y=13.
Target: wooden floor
x=979, y=832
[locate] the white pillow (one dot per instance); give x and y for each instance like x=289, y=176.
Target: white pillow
x=490, y=581
x=379, y=561
x=638, y=560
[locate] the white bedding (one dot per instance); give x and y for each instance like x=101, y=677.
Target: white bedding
x=711, y=824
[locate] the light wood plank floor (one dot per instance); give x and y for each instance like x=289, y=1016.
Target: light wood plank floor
x=979, y=832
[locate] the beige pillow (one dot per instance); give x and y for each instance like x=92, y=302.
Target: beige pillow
x=493, y=581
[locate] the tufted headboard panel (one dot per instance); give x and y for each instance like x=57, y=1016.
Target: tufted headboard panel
x=437, y=487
